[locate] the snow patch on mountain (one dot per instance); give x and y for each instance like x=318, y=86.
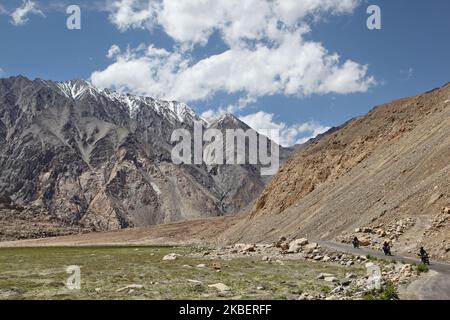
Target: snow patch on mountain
x=171, y=110
x=75, y=89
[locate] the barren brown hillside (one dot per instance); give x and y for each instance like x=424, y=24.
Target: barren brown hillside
x=387, y=173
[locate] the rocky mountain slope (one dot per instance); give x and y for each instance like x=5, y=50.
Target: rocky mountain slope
x=384, y=176
x=74, y=158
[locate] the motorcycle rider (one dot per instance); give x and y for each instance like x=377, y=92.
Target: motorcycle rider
x=355, y=243
x=387, y=248
x=424, y=256
x=423, y=252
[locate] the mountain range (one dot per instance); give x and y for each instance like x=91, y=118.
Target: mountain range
x=74, y=158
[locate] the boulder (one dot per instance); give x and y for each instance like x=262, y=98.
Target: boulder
x=297, y=245
x=310, y=247
x=171, y=257
x=324, y=275
x=280, y=242
x=331, y=279
x=220, y=286
x=284, y=247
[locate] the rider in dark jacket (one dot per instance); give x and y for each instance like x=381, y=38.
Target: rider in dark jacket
x=355, y=243
x=387, y=248
x=424, y=256
x=423, y=252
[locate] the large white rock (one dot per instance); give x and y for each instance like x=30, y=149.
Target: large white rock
x=171, y=257
x=220, y=286
x=297, y=245
x=331, y=279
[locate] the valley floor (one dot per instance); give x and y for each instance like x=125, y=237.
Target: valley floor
x=141, y=273
x=129, y=264
x=199, y=273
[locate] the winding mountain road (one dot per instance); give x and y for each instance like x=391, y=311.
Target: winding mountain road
x=435, y=285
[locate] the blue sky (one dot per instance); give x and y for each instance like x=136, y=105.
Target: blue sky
x=240, y=66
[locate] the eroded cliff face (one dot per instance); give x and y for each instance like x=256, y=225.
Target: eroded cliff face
x=99, y=160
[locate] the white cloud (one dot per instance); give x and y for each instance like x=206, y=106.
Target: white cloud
x=294, y=67
x=20, y=16
x=289, y=134
x=195, y=21
x=267, y=51
x=2, y=73
x=113, y=51
x=135, y=14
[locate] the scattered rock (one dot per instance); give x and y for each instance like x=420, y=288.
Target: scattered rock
x=317, y=258
x=280, y=242
x=195, y=281
x=131, y=288
x=245, y=247
x=171, y=257
x=310, y=247
x=331, y=279
x=284, y=247
x=322, y=276
x=297, y=245
x=260, y=288
x=220, y=286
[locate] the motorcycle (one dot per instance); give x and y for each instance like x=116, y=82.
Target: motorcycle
x=425, y=259
x=387, y=251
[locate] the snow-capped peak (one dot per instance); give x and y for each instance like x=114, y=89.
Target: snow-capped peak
x=75, y=89
x=171, y=110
